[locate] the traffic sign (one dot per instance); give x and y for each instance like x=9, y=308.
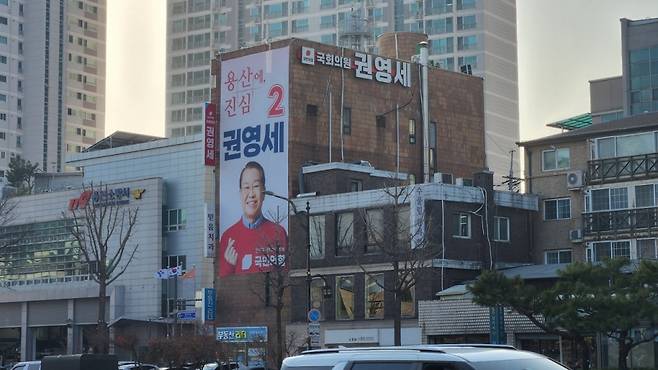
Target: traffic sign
x=314, y=333
x=186, y=315
x=314, y=315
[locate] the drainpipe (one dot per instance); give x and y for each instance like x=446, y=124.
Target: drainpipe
x=424, y=55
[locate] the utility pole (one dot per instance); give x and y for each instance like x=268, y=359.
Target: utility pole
x=511, y=181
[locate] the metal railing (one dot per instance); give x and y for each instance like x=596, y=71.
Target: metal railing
x=628, y=221
x=622, y=168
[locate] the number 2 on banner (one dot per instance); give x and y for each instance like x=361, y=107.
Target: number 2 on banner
x=276, y=109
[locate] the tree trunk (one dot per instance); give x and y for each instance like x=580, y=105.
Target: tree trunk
x=279, y=333
x=397, y=314
x=624, y=349
x=101, y=326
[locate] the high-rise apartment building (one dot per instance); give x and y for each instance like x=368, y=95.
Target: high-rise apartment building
x=52, y=79
x=639, y=46
x=476, y=33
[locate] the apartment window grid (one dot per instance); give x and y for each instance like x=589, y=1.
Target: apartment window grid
x=557, y=209
x=558, y=256
x=175, y=220
x=501, y=229
x=643, y=80
x=462, y=226
x=433, y=7
x=466, y=22
x=556, y=159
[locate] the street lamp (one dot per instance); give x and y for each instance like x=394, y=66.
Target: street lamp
x=308, y=244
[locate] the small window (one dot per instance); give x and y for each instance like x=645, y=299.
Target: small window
x=374, y=230
x=345, y=298
x=408, y=306
x=380, y=121
x=316, y=229
x=356, y=185
x=347, y=121
x=558, y=256
x=311, y=110
x=344, y=233
x=462, y=226
x=412, y=131
x=3, y=116
x=557, y=209
x=556, y=159
x=501, y=229
x=375, y=296
x=3, y=135
x=173, y=261
x=175, y=220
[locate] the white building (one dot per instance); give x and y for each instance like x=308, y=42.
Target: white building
x=46, y=293
x=52, y=79
x=478, y=33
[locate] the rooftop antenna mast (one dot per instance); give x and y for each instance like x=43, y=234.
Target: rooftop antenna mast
x=511, y=181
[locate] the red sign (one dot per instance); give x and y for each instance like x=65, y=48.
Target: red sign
x=210, y=134
x=80, y=202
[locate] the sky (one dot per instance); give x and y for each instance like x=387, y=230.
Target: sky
x=562, y=44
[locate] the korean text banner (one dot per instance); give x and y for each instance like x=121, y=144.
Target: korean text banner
x=253, y=159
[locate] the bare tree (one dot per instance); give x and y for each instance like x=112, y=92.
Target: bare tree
x=8, y=238
x=404, y=245
x=103, y=228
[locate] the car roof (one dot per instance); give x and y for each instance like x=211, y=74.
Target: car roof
x=451, y=352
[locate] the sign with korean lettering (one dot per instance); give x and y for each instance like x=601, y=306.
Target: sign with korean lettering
x=209, y=307
x=242, y=334
x=210, y=134
x=365, y=66
x=253, y=159
x=210, y=236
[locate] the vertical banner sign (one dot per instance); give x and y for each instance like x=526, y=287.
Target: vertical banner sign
x=210, y=134
x=210, y=236
x=209, y=307
x=253, y=159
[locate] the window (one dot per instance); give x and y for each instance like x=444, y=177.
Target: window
x=408, y=306
x=558, y=256
x=344, y=233
x=178, y=80
x=412, y=131
x=317, y=298
x=501, y=229
x=3, y=116
x=300, y=25
x=347, y=121
x=278, y=29
x=327, y=21
x=556, y=159
x=326, y=4
x=300, y=6
x=375, y=296
x=19, y=142
x=462, y=226
x=467, y=42
x=3, y=135
x=466, y=22
x=356, y=185
x=178, y=98
x=175, y=220
x=317, y=236
x=646, y=249
x=627, y=145
x=465, y=4
x=3, y=20
x=173, y=261
x=403, y=227
x=3, y=98
x=557, y=209
x=442, y=46
x=438, y=26
x=3, y=59
x=374, y=230
x=345, y=298
x=438, y=6
x=604, y=250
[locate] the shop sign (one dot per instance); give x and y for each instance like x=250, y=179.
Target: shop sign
x=210, y=134
x=242, y=334
x=105, y=197
x=365, y=66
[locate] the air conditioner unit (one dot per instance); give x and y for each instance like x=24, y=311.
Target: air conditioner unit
x=574, y=179
x=576, y=235
x=459, y=181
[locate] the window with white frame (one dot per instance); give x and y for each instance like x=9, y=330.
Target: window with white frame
x=556, y=159
x=175, y=220
x=557, y=256
x=173, y=261
x=601, y=251
x=462, y=226
x=557, y=209
x=626, y=145
x=501, y=229
x=608, y=199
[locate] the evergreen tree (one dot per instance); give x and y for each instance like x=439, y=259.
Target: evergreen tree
x=21, y=175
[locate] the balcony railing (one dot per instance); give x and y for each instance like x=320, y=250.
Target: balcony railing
x=638, y=221
x=622, y=168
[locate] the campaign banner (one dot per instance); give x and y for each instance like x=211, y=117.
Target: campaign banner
x=210, y=134
x=242, y=334
x=253, y=160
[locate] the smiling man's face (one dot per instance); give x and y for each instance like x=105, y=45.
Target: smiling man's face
x=252, y=194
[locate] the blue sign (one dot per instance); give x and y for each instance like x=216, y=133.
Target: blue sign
x=186, y=315
x=242, y=334
x=209, y=304
x=314, y=315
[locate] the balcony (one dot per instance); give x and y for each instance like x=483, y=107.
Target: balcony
x=638, y=222
x=601, y=171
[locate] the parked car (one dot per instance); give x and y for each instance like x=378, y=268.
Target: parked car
x=28, y=365
x=132, y=365
x=428, y=357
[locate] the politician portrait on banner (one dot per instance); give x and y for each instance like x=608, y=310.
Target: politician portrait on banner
x=253, y=159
